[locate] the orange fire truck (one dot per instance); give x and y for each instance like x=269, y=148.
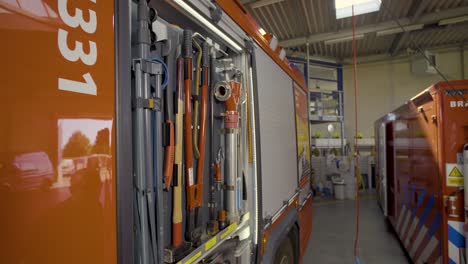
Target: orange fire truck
x=162, y=131
x=421, y=163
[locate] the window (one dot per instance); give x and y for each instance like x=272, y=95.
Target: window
x=344, y=7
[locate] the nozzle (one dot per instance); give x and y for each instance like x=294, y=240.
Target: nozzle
x=153, y=15
x=222, y=91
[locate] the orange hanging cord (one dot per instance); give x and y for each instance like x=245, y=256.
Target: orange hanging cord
x=357, y=170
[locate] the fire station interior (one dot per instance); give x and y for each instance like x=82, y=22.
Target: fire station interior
x=367, y=77
x=234, y=131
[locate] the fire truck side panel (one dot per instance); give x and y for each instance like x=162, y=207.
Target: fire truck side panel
x=304, y=201
x=57, y=180
x=278, y=155
x=65, y=120
x=381, y=170
x=123, y=133
x=276, y=110
x=305, y=220
x=425, y=183
x=416, y=218
x=423, y=145
x=453, y=124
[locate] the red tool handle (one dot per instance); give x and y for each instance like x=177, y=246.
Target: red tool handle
x=217, y=171
x=169, y=162
x=202, y=138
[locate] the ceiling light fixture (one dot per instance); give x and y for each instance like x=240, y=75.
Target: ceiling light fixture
x=397, y=30
x=208, y=24
x=344, y=39
x=262, y=31
x=344, y=8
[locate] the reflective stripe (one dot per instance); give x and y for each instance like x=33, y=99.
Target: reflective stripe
x=415, y=220
x=417, y=242
x=402, y=209
x=456, y=241
x=427, y=210
x=427, y=252
x=405, y=223
x=455, y=234
x=421, y=197
x=454, y=254
x=408, y=211
x=400, y=218
x=434, y=225
x=411, y=230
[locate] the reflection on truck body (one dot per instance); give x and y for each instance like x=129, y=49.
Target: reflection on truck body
x=28, y=171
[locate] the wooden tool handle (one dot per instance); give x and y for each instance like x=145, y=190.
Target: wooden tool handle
x=177, y=236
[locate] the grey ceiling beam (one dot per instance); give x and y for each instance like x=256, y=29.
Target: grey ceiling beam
x=403, y=54
x=262, y=3
x=303, y=55
x=424, y=19
x=316, y=38
x=416, y=10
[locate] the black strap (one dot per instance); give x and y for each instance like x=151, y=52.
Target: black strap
x=151, y=103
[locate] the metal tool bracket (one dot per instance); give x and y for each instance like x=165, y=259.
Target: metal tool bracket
x=152, y=68
x=216, y=13
x=229, y=187
x=143, y=191
x=147, y=66
x=249, y=45
x=150, y=103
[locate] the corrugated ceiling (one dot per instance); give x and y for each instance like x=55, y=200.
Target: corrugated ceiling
x=290, y=19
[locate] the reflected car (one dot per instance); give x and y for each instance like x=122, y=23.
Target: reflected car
x=67, y=166
x=28, y=171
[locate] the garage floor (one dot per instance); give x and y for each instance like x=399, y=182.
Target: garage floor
x=333, y=232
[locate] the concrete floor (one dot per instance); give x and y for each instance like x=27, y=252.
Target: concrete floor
x=333, y=232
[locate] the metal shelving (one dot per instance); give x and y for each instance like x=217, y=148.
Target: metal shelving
x=326, y=97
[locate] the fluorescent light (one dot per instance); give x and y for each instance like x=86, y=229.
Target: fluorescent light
x=344, y=39
x=262, y=31
x=454, y=20
x=397, y=30
x=344, y=8
x=273, y=43
x=389, y=32
x=391, y=116
x=282, y=54
x=208, y=24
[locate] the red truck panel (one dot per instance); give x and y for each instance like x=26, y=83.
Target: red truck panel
x=57, y=178
x=424, y=142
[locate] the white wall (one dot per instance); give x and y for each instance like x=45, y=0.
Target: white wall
x=383, y=86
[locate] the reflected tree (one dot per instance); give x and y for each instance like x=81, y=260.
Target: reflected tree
x=77, y=146
x=102, y=142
